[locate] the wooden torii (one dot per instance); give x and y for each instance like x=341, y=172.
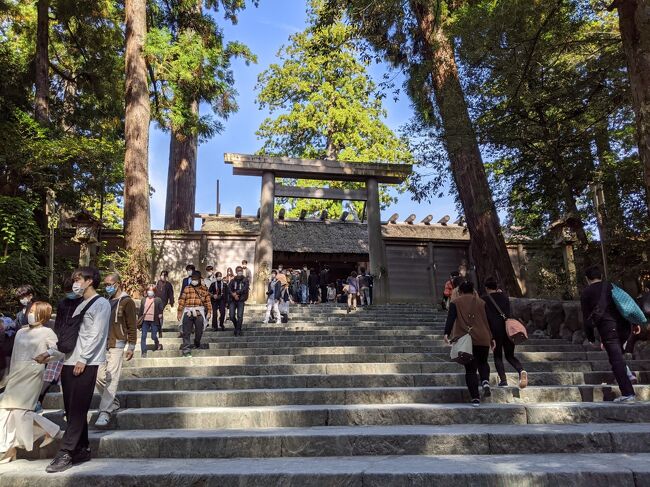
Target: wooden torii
x=270, y=168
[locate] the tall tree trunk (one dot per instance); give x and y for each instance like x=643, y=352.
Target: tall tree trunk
x=634, y=24
x=612, y=213
x=137, y=224
x=488, y=245
x=181, y=179
x=41, y=65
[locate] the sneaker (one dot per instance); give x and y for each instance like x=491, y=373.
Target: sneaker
x=476, y=402
x=81, y=456
x=39, y=408
x=631, y=398
x=143, y=355
x=103, y=419
x=503, y=383
x=523, y=379
x=62, y=461
x=487, y=392
x=187, y=355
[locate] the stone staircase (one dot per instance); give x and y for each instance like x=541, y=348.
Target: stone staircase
x=364, y=399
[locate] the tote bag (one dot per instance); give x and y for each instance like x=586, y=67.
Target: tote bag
x=627, y=306
x=461, y=349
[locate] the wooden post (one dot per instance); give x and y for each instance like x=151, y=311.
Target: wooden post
x=264, y=245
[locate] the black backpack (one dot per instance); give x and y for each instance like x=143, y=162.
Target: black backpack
x=69, y=331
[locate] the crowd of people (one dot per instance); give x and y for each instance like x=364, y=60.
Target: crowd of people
x=484, y=319
x=97, y=325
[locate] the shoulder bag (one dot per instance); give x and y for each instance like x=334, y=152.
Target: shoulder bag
x=627, y=306
x=515, y=329
x=68, y=333
x=462, y=351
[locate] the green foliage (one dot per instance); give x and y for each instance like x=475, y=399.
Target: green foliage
x=190, y=62
x=324, y=105
x=19, y=244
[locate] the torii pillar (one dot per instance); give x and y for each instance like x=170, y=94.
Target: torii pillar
x=376, y=251
x=264, y=245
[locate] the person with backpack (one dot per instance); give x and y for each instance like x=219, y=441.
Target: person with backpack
x=150, y=319
x=83, y=340
x=467, y=315
x=20, y=426
x=600, y=313
x=497, y=308
x=194, y=313
x=238, y=288
x=351, y=288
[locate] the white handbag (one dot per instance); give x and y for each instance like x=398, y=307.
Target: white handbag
x=461, y=349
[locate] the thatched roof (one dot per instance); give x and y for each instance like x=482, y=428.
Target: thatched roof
x=331, y=236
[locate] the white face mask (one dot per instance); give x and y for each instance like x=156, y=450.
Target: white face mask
x=150, y=294
x=78, y=289
x=25, y=301
x=189, y=273
x=31, y=318
x=194, y=282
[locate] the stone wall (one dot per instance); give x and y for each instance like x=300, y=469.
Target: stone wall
x=550, y=318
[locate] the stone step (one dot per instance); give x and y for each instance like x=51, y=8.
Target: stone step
x=367, y=440
x=371, y=414
x=596, y=469
x=435, y=346
x=186, y=367
x=216, y=349
x=207, y=357
x=349, y=396
x=359, y=380
x=355, y=328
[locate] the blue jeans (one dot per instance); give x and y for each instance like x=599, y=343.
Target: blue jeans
x=146, y=327
x=303, y=293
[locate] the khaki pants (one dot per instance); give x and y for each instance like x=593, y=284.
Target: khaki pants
x=108, y=378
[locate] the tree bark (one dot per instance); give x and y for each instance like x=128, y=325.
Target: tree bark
x=181, y=179
x=137, y=224
x=489, y=250
x=42, y=62
x=634, y=24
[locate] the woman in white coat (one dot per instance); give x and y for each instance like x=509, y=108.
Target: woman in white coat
x=20, y=426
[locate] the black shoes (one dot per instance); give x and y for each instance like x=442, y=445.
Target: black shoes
x=62, y=461
x=487, y=392
x=81, y=456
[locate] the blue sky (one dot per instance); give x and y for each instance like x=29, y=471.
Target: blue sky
x=264, y=30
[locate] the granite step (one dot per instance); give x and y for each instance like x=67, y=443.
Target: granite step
x=372, y=414
x=579, y=470
x=350, y=396
x=359, y=380
x=366, y=441
x=166, y=358
x=189, y=367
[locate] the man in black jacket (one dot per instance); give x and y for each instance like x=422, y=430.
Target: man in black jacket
x=599, y=311
x=218, y=293
x=239, y=288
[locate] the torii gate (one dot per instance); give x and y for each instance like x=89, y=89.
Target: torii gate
x=270, y=168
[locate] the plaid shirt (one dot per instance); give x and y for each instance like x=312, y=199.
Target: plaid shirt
x=193, y=297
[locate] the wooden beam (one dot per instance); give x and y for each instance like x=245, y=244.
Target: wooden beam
x=320, y=193
x=318, y=169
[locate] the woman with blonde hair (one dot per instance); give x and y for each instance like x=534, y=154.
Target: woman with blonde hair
x=35, y=345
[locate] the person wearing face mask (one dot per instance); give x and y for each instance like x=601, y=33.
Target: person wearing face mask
x=123, y=333
x=273, y=292
x=165, y=290
x=194, y=313
x=150, y=319
x=64, y=311
x=25, y=295
x=209, y=276
x=239, y=289
x=218, y=294
x=189, y=269
x=89, y=327
x=20, y=426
